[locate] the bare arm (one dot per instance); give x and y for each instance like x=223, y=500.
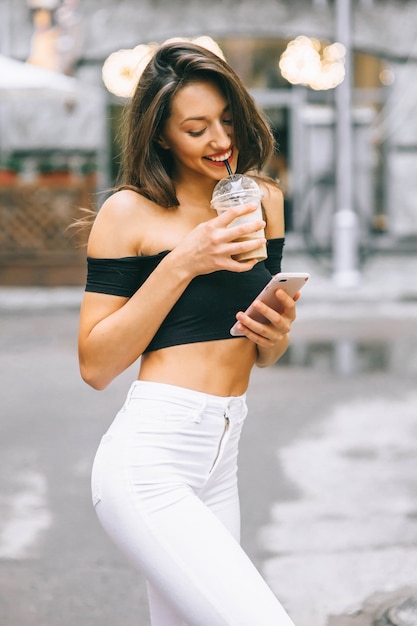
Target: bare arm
x=114, y=331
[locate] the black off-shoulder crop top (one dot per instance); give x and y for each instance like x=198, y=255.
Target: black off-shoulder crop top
x=207, y=308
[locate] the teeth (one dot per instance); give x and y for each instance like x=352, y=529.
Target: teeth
x=226, y=156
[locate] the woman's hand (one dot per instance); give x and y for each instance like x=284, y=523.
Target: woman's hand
x=210, y=245
x=271, y=339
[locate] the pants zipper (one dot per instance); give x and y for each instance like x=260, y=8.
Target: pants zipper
x=225, y=429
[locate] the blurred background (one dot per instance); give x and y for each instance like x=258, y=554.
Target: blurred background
x=336, y=78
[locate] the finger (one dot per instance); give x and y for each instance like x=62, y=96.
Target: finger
x=260, y=339
x=224, y=232
x=246, y=246
x=287, y=308
x=240, y=266
x=227, y=216
x=236, y=231
x=276, y=322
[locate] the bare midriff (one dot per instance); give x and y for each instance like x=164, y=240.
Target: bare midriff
x=220, y=368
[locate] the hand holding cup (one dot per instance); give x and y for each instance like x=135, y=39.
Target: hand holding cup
x=234, y=191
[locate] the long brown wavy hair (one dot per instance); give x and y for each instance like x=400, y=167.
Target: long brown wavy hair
x=146, y=166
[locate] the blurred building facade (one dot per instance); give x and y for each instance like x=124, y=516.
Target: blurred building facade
x=76, y=37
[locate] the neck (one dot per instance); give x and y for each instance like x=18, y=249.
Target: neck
x=195, y=193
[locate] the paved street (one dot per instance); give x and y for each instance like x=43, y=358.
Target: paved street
x=327, y=469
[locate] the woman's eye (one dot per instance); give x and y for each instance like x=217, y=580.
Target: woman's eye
x=229, y=122
x=196, y=133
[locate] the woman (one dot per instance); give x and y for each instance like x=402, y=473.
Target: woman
x=162, y=285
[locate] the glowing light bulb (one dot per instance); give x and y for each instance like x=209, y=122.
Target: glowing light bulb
x=307, y=62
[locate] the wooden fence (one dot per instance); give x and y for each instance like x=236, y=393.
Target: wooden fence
x=36, y=245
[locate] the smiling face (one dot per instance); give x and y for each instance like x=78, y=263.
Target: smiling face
x=199, y=132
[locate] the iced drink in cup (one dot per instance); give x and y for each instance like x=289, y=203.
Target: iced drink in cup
x=236, y=190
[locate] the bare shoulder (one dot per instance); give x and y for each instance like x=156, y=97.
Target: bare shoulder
x=114, y=232
x=273, y=203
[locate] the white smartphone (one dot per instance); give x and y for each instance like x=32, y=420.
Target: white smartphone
x=290, y=282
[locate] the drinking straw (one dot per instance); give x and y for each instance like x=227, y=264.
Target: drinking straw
x=229, y=169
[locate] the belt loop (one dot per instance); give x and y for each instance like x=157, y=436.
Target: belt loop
x=129, y=396
x=201, y=409
x=132, y=390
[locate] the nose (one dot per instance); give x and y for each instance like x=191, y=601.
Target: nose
x=220, y=136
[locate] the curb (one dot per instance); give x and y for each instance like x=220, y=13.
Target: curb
x=40, y=298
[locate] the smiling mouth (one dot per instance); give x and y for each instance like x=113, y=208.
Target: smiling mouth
x=219, y=158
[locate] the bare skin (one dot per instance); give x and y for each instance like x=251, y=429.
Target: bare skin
x=114, y=331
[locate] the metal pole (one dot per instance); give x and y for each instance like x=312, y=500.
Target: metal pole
x=5, y=28
x=345, y=225
x=5, y=50
x=297, y=160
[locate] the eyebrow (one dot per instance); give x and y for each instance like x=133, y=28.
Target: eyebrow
x=193, y=119
x=202, y=118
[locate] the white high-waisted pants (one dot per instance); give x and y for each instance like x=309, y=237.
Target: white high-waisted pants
x=164, y=486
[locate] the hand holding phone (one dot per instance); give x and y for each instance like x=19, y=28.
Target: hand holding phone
x=290, y=282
